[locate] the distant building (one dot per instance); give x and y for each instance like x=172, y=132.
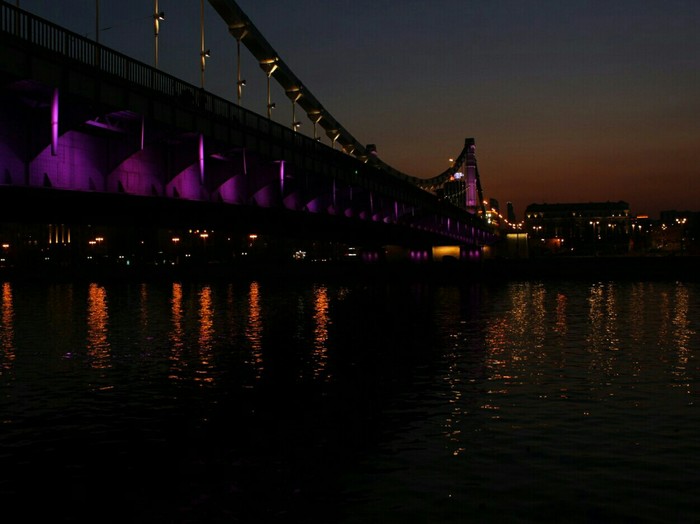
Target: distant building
x=677, y=232
x=578, y=228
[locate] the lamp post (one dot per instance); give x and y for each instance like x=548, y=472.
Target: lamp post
x=203, y=53
x=294, y=95
x=269, y=66
x=97, y=21
x=315, y=117
x=681, y=222
x=158, y=17
x=238, y=32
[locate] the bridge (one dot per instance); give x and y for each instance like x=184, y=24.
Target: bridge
x=89, y=136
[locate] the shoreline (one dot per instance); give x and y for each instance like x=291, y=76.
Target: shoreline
x=684, y=267
x=641, y=268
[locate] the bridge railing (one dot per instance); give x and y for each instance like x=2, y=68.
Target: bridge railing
x=46, y=35
x=43, y=34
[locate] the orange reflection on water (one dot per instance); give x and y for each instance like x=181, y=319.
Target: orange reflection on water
x=206, y=335
x=603, y=325
x=515, y=343
x=98, y=347
x=322, y=320
x=206, y=318
x=681, y=324
x=176, y=332
x=143, y=311
x=254, y=329
x=561, y=326
x=7, y=334
x=682, y=332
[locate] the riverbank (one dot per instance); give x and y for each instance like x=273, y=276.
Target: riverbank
x=607, y=268
x=451, y=271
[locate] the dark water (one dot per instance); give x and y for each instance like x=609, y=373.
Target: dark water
x=257, y=401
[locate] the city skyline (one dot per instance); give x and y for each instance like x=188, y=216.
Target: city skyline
x=583, y=101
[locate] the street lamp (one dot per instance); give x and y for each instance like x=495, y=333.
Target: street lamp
x=334, y=135
x=158, y=17
x=203, y=53
x=315, y=117
x=269, y=66
x=681, y=222
x=239, y=32
x=294, y=95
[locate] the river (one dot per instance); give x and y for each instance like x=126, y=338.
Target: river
x=264, y=400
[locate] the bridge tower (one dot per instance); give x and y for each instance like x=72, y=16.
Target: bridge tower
x=473, y=194
x=461, y=184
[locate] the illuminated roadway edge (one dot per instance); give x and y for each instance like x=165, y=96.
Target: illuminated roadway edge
x=243, y=29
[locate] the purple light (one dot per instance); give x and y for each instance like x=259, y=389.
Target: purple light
x=201, y=157
x=143, y=131
x=282, y=178
x=186, y=185
x=54, y=123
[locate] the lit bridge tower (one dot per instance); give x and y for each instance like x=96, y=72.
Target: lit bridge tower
x=460, y=184
x=474, y=197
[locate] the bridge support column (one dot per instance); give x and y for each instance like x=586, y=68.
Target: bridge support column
x=269, y=181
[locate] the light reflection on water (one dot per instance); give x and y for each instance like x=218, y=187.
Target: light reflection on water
x=523, y=402
x=322, y=321
x=206, y=336
x=254, y=329
x=7, y=315
x=98, y=346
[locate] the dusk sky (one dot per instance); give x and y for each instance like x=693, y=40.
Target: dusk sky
x=568, y=100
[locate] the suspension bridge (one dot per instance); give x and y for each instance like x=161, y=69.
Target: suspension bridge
x=89, y=135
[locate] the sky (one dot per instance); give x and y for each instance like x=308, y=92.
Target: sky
x=567, y=100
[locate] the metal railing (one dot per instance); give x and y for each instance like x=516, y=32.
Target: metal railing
x=72, y=46
x=46, y=35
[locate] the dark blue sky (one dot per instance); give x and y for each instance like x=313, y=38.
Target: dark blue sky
x=576, y=100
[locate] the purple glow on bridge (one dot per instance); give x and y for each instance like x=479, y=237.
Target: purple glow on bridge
x=186, y=185
x=419, y=255
x=200, y=150
x=133, y=130
x=281, y=162
x=54, y=122
x=137, y=175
